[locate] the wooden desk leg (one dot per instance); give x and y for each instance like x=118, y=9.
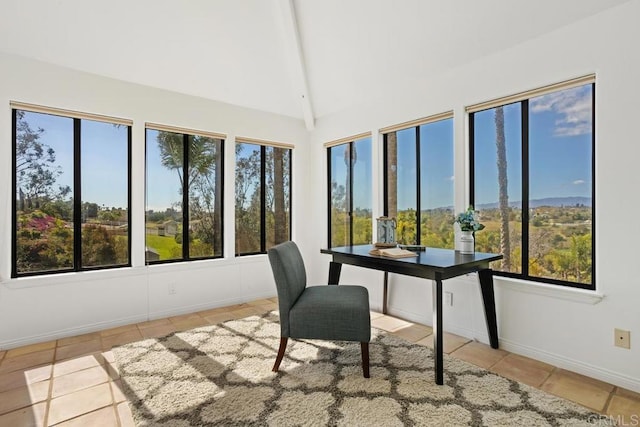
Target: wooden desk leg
x=437, y=331
x=489, y=299
x=384, y=292
x=334, y=272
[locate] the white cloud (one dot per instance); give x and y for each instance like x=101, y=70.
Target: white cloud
x=573, y=106
x=579, y=182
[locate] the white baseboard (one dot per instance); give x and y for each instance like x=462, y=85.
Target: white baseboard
x=573, y=365
x=100, y=326
x=207, y=306
x=70, y=332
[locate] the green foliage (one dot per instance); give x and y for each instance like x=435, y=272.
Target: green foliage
x=560, y=242
x=165, y=246
x=468, y=220
x=43, y=243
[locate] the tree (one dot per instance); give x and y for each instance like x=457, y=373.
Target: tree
x=203, y=180
x=505, y=244
x=36, y=171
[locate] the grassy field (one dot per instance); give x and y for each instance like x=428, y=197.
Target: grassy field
x=166, y=246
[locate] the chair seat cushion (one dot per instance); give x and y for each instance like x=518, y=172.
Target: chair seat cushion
x=331, y=312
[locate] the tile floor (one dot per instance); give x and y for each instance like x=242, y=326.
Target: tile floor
x=72, y=381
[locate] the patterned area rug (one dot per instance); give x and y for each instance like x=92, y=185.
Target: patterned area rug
x=221, y=375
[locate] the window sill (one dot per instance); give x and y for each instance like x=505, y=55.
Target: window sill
x=552, y=291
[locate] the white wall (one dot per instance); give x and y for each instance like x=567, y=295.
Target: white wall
x=570, y=329
x=48, y=307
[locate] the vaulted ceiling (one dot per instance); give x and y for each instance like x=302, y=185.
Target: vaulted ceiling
x=300, y=58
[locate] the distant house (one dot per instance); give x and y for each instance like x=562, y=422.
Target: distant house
x=168, y=228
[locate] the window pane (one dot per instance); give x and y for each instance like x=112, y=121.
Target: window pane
x=205, y=196
x=560, y=159
x=44, y=188
x=436, y=184
x=498, y=183
x=248, y=203
x=278, y=176
x=164, y=195
x=362, y=204
x=403, y=198
x=105, y=193
x=340, y=225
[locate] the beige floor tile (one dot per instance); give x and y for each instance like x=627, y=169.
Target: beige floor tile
x=31, y=416
x=246, y=312
x=116, y=389
x=479, y=354
x=264, y=301
x=375, y=315
x=220, y=317
x=81, y=402
x=523, y=369
x=79, y=380
x=78, y=338
x=274, y=299
x=158, y=330
x=450, y=342
x=2, y=353
x=389, y=324
x=19, y=351
x=153, y=323
x=627, y=393
x=22, y=378
x=187, y=323
x=413, y=333
x=212, y=311
x=578, y=388
x=624, y=408
x=105, y=417
x=119, y=339
x=26, y=361
x=22, y=397
x=118, y=330
x=124, y=415
x=77, y=364
x=83, y=348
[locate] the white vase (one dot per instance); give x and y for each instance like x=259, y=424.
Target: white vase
x=467, y=242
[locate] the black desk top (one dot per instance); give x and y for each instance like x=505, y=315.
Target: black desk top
x=446, y=262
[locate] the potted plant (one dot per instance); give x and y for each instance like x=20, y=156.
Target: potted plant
x=469, y=224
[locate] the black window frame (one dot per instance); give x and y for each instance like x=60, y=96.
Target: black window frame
x=185, y=197
x=77, y=199
x=263, y=196
x=524, y=275
x=349, y=196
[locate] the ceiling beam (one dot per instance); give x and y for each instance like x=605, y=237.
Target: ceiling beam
x=295, y=59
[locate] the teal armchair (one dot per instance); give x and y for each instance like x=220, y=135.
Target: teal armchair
x=328, y=312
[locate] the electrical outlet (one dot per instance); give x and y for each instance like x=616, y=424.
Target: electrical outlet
x=448, y=299
x=172, y=288
x=622, y=338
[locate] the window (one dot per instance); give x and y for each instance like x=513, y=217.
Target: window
x=263, y=196
x=418, y=177
x=72, y=191
x=184, y=194
x=350, y=195
x=532, y=180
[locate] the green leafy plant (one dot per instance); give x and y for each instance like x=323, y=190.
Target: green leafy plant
x=468, y=220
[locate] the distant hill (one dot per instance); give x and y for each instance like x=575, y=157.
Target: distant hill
x=549, y=201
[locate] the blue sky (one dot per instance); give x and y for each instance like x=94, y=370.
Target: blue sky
x=559, y=147
x=104, y=156
x=559, y=140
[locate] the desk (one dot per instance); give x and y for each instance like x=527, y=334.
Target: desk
x=434, y=264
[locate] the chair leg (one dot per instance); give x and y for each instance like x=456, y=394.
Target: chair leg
x=364, y=346
x=283, y=346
